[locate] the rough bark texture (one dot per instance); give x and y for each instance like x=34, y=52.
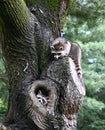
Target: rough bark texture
x=31, y=71
x=18, y=47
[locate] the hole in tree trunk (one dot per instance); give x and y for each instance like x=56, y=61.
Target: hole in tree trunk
x=42, y=94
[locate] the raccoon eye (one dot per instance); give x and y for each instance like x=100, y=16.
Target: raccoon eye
x=52, y=47
x=61, y=48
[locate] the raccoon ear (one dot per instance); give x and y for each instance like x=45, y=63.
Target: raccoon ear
x=67, y=42
x=39, y=92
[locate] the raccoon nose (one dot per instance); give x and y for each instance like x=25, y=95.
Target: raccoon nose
x=58, y=54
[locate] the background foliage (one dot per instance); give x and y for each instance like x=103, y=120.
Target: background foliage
x=86, y=26
x=3, y=89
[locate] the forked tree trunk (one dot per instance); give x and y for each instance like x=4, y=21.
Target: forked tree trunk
x=31, y=71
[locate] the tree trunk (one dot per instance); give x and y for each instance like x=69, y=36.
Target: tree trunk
x=32, y=73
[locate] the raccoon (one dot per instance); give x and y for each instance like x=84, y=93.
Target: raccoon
x=61, y=47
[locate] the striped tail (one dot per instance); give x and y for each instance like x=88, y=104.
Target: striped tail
x=78, y=68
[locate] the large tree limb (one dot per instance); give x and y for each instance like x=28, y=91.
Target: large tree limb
x=63, y=91
x=19, y=46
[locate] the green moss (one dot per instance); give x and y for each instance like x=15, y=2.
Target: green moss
x=16, y=14
x=30, y=2
x=52, y=4
x=63, y=18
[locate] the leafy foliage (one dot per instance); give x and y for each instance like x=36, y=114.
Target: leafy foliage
x=93, y=74
x=3, y=108
x=3, y=89
x=93, y=61
x=89, y=115
x=3, y=99
x=84, y=27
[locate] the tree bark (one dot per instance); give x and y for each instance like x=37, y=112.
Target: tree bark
x=30, y=69
x=18, y=47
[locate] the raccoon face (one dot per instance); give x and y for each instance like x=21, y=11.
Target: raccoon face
x=60, y=48
x=57, y=50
